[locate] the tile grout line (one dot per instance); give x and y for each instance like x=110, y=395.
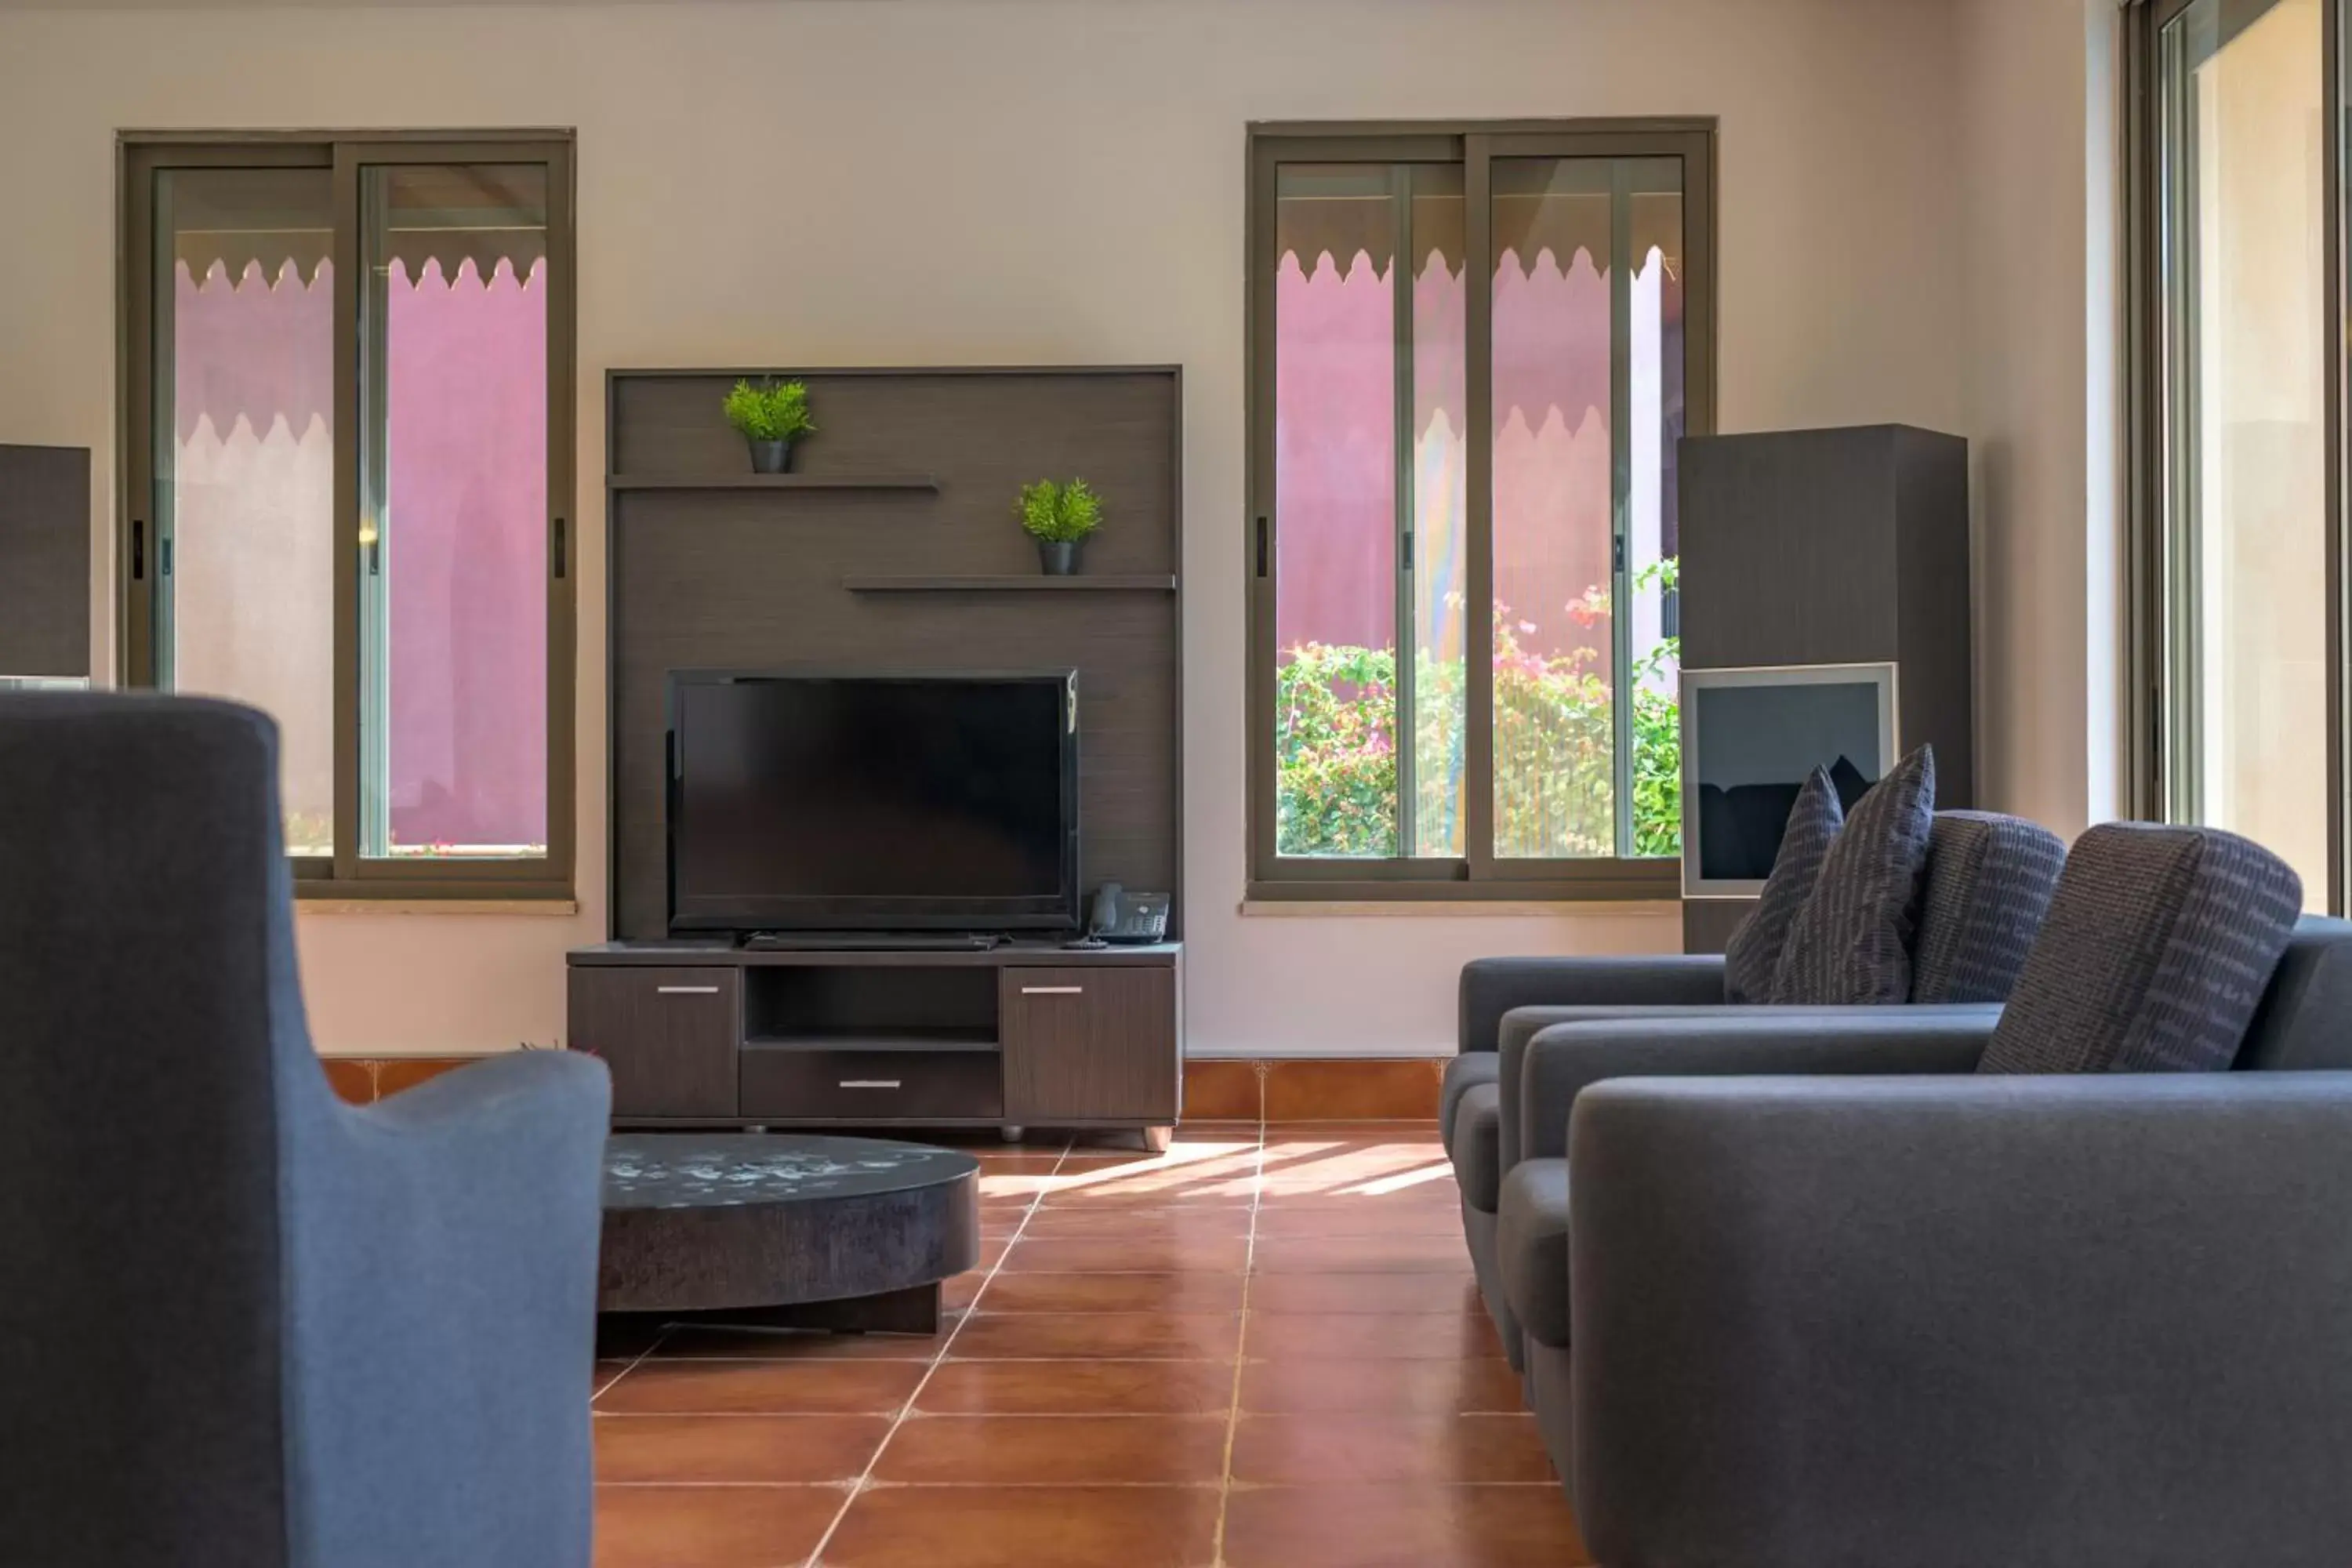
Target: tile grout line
x=660, y=1336
x=858, y=1489
x=1241, y=1345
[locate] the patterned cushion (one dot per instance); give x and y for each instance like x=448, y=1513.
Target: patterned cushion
x=1851, y=943
x=2158, y=946
x=1754, y=950
x=1988, y=883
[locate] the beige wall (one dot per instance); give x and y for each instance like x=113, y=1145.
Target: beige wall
x=2038, y=169
x=990, y=181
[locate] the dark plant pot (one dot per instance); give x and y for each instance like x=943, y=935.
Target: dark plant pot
x=771, y=457
x=1059, y=557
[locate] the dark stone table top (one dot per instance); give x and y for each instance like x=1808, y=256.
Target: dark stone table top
x=690, y=1170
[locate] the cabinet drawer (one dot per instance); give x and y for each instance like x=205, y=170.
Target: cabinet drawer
x=792, y=1083
x=667, y=1035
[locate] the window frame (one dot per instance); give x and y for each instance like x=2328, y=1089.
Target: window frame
x=347, y=876
x=2152, y=660
x=1479, y=876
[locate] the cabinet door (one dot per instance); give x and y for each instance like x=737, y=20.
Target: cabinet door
x=668, y=1035
x=1089, y=1045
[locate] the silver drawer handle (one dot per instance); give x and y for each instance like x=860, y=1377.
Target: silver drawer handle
x=871, y=1083
x=1052, y=991
x=686, y=990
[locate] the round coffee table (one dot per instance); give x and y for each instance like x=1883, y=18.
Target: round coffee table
x=783, y=1230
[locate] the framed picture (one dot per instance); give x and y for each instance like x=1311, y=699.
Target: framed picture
x=1750, y=739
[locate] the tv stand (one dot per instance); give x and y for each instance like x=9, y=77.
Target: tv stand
x=869, y=941
x=1012, y=1034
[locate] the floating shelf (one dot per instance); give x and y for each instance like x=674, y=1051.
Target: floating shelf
x=1111, y=583
x=771, y=482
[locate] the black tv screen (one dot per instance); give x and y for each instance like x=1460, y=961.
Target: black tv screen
x=873, y=803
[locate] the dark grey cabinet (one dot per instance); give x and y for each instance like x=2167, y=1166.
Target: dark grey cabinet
x=1089, y=1045
x=1845, y=546
x=44, y=545
x=668, y=1035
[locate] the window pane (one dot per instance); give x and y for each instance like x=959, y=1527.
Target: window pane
x=454, y=585
x=244, y=370
x=1585, y=263
x=1368, y=503
x=2245, y=366
x=1658, y=420
x=1436, y=466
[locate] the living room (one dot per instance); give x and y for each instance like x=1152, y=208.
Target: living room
x=996, y=242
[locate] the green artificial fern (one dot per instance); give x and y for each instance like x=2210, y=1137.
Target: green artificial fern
x=1060, y=513
x=770, y=411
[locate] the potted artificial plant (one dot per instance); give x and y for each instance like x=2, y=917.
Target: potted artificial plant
x=1059, y=517
x=770, y=416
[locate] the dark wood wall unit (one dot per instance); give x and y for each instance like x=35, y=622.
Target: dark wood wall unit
x=894, y=548
x=1846, y=546
x=44, y=545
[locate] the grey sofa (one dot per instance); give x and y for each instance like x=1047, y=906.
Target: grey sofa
x=1988, y=883
x=2048, y=1322
x=243, y=1322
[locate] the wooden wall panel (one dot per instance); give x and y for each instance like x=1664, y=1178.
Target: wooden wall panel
x=753, y=578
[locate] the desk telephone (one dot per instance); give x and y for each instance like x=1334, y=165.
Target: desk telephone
x=1123, y=917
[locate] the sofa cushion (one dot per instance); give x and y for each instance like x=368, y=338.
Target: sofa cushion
x=1989, y=879
x=1753, y=954
x=1469, y=1069
x=1532, y=1241
x=1478, y=1144
x=1850, y=944
x=2160, y=944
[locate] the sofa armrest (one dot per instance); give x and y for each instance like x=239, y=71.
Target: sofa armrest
x=1558, y=1062
x=2039, y=1322
x=1493, y=986
x=453, y=1232
x=1522, y=1025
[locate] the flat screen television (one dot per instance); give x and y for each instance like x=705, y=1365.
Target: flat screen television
x=873, y=803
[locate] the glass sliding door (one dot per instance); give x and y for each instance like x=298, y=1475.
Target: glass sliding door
x=2242, y=483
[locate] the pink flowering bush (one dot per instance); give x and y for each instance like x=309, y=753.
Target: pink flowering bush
x=1554, y=737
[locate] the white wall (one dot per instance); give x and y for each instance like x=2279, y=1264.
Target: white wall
x=999, y=181
x=2039, y=165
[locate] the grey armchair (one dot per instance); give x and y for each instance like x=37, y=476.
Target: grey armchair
x=2049, y=1321
x=245, y=1323
x=1988, y=883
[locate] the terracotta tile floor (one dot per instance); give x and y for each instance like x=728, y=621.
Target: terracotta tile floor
x=1261, y=1350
